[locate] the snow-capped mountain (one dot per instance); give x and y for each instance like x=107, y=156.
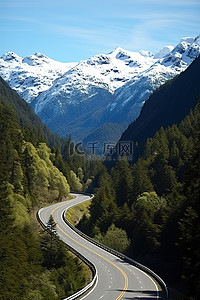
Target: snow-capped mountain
x=78, y=98
x=107, y=72
x=129, y=99
x=32, y=74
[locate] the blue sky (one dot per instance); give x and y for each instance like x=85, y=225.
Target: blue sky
x=74, y=30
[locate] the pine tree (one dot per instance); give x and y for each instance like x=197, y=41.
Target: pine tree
x=189, y=241
x=49, y=243
x=122, y=181
x=164, y=178
x=141, y=179
x=146, y=232
x=103, y=207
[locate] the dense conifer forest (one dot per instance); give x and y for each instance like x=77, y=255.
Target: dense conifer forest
x=34, y=264
x=150, y=210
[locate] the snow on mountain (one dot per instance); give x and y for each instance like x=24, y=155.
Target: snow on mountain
x=167, y=64
x=110, y=87
x=32, y=74
x=164, y=51
x=104, y=71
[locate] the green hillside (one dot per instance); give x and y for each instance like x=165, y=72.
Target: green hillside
x=30, y=179
x=31, y=125
x=152, y=207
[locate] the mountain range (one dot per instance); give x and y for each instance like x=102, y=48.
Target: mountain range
x=95, y=99
x=167, y=106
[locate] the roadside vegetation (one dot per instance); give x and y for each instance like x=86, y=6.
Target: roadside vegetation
x=152, y=207
x=76, y=213
x=149, y=210
x=33, y=264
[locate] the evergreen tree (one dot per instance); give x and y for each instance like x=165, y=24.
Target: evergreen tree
x=189, y=241
x=122, y=181
x=141, y=179
x=28, y=177
x=146, y=232
x=103, y=207
x=5, y=207
x=50, y=245
x=164, y=177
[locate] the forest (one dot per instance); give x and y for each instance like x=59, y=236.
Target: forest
x=150, y=210
x=33, y=264
x=33, y=174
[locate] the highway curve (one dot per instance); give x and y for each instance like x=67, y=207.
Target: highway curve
x=117, y=279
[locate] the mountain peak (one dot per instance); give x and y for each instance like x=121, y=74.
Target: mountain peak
x=40, y=55
x=164, y=51
x=146, y=53
x=184, y=53
x=36, y=59
x=197, y=40
x=10, y=56
x=118, y=49
x=114, y=86
x=121, y=53
x=189, y=40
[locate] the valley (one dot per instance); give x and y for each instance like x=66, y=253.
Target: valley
x=80, y=99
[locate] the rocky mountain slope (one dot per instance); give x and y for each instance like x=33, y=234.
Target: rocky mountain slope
x=30, y=123
x=80, y=98
x=31, y=75
x=167, y=106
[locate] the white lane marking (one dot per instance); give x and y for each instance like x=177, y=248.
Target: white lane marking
x=157, y=291
x=91, y=289
x=139, y=270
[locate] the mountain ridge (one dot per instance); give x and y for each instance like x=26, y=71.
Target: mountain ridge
x=166, y=106
x=106, y=88
x=26, y=117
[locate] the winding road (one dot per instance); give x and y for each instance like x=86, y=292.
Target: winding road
x=117, y=279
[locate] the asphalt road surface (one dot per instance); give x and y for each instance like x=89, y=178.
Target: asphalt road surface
x=117, y=279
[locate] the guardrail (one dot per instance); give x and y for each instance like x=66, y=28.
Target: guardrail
x=120, y=255
x=83, y=258
x=112, y=251
x=86, y=289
